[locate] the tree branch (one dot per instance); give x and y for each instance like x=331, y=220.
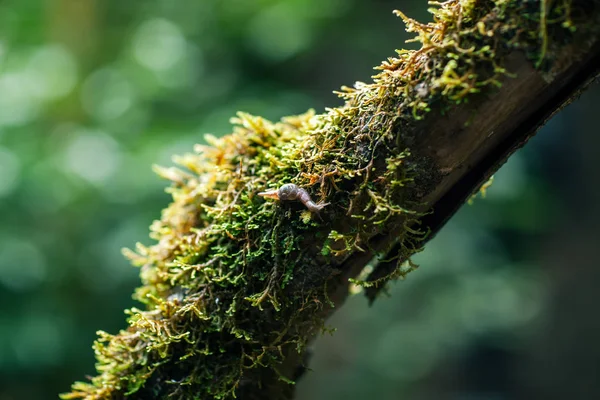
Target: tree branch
x=236, y=286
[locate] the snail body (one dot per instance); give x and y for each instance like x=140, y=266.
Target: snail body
x=289, y=192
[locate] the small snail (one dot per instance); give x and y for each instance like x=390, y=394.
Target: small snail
x=289, y=191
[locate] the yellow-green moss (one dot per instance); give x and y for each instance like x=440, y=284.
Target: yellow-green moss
x=232, y=279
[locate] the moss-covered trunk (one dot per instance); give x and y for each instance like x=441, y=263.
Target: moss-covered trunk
x=237, y=285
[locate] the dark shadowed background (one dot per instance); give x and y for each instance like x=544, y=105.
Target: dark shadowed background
x=92, y=93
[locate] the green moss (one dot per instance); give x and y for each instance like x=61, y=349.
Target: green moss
x=234, y=280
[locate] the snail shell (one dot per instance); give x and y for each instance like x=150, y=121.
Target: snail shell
x=289, y=192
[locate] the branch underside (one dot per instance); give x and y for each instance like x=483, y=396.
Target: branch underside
x=539, y=105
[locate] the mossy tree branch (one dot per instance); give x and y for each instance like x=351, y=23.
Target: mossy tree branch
x=237, y=286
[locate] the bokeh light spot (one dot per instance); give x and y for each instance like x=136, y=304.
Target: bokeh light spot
x=93, y=155
x=17, y=106
x=276, y=36
x=107, y=94
x=158, y=44
x=53, y=72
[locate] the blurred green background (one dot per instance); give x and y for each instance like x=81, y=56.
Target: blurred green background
x=93, y=92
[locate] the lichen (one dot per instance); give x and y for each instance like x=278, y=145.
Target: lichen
x=233, y=280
